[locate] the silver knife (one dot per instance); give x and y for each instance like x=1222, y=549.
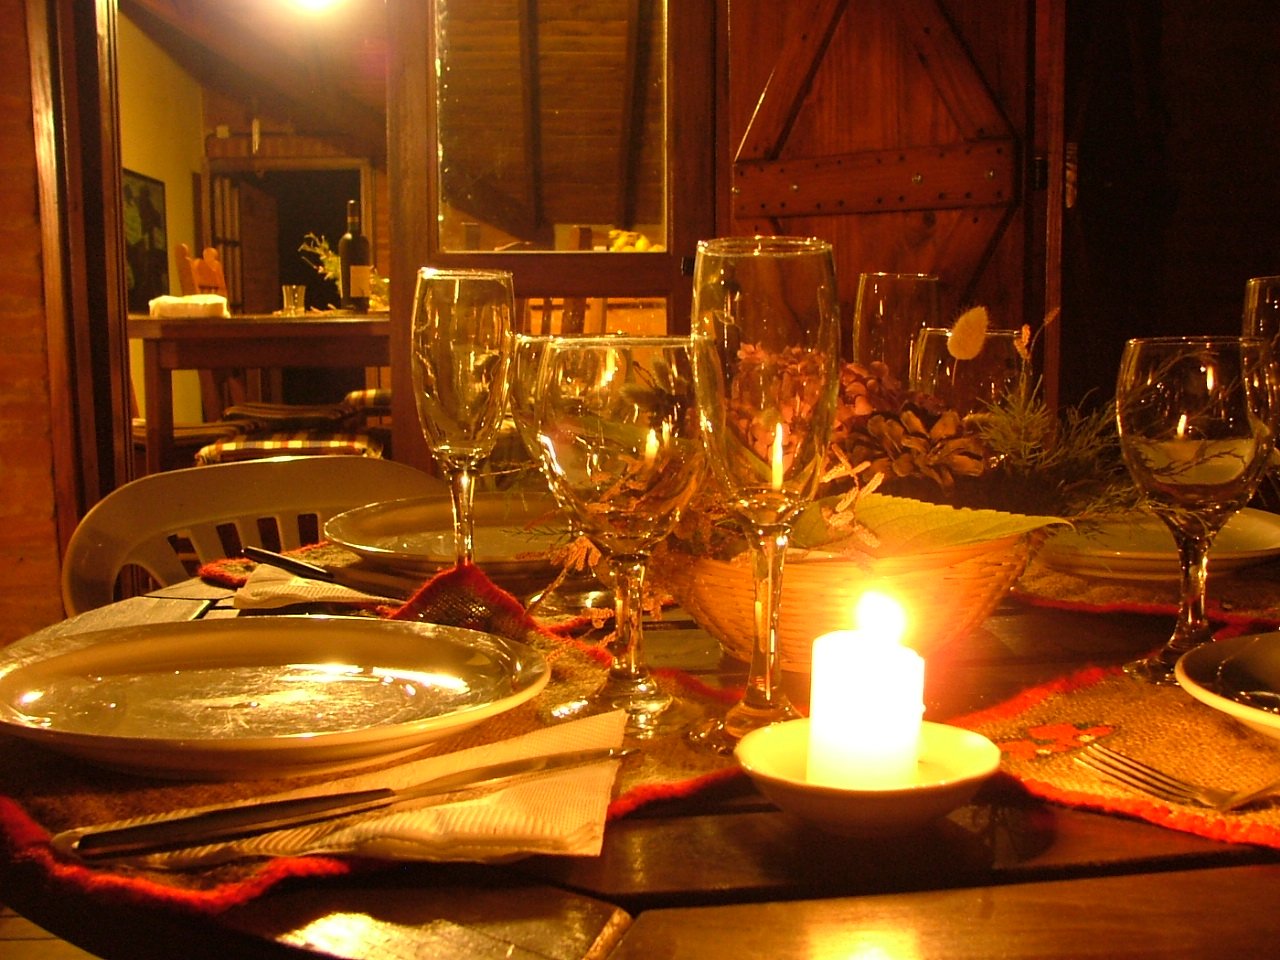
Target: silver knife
x=235, y=822
x=377, y=582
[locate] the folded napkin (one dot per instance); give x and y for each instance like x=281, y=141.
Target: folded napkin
x=194, y=305
x=561, y=812
x=269, y=588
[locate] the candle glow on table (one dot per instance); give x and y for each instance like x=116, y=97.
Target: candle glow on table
x=776, y=462
x=866, y=703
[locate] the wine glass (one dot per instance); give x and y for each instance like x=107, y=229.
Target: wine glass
x=766, y=321
x=889, y=313
x=1196, y=423
x=970, y=384
x=1261, y=318
x=621, y=449
x=461, y=336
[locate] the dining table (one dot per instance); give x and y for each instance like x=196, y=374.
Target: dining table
x=317, y=339
x=717, y=871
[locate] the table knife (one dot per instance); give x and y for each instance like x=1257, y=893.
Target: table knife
x=237, y=821
x=397, y=586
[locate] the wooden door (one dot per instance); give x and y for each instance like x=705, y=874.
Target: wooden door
x=897, y=130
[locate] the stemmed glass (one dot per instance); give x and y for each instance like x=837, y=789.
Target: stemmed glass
x=620, y=433
x=1196, y=423
x=767, y=323
x=461, y=349
x=1261, y=318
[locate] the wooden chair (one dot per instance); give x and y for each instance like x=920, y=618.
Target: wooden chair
x=167, y=524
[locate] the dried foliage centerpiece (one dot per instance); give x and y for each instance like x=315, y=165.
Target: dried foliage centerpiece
x=941, y=509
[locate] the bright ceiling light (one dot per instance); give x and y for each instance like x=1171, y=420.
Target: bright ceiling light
x=316, y=6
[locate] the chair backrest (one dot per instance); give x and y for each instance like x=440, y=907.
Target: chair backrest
x=169, y=523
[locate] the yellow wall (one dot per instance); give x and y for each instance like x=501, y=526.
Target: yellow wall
x=162, y=136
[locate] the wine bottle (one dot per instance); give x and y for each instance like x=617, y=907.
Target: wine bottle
x=356, y=262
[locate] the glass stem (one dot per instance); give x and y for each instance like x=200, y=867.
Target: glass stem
x=461, y=492
x=628, y=661
x=1193, y=626
x=764, y=681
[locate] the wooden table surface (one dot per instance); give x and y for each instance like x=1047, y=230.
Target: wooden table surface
x=725, y=875
x=248, y=341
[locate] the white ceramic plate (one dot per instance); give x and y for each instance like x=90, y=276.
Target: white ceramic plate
x=513, y=533
x=953, y=764
x=1143, y=548
x=259, y=696
x=1239, y=676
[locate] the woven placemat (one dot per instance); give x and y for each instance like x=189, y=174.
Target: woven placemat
x=42, y=792
x=1039, y=731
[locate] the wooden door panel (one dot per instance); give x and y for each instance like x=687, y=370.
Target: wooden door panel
x=874, y=124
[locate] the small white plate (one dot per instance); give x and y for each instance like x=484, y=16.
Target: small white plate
x=953, y=764
x=514, y=534
x=1239, y=676
x=1142, y=549
x=259, y=696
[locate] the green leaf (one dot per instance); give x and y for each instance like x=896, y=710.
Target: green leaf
x=904, y=526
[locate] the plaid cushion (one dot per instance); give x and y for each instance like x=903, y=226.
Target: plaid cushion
x=295, y=416
x=198, y=434
x=373, y=402
x=300, y=444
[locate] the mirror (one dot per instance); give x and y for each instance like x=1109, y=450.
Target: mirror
x=551, y=125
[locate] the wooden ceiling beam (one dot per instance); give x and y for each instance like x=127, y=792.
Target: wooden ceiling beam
x=223, y=55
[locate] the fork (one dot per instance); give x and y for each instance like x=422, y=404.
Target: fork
x=1128, y=772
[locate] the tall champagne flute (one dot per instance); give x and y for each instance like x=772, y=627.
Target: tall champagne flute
x=767, y=323
x=620, y=432
x=1196, y=422
x=461, y=336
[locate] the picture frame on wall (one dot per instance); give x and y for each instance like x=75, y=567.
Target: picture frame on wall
x=146, y=240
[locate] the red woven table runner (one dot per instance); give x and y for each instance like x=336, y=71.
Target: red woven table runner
x=42, y=793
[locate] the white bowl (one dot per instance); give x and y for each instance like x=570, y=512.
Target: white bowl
x=1227, y=674
x=953, y=764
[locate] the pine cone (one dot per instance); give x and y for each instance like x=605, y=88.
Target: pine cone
x=902, y=433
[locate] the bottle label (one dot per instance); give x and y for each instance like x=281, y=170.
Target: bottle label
x=361, y=281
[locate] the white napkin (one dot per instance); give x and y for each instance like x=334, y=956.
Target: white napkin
x=561, y=812
x=268, y=588
x=193, y=305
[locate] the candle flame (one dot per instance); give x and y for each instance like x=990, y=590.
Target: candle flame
x=777, y=457
x=651, y=448
x=881, y=616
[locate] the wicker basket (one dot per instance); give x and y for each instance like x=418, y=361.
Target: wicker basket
x=947, y=592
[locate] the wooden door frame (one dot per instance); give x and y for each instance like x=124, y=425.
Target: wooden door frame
x=72, y=53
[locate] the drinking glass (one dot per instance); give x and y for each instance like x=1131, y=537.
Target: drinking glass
x=888, y=315
x=1262, y=319
x=461, y=333
x=766, y=322
x=966, y=385
x=620, y=434
x=1196, y=423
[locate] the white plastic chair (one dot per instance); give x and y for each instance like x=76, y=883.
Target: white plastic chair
x=207, y=513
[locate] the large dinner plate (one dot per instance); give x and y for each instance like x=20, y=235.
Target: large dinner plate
x=1239, y=676
x=259, y=696
x=514, y=533
x=1142, y=549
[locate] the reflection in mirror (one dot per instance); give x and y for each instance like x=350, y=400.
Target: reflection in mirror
x=551, y=124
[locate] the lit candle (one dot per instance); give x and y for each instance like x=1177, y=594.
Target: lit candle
x=866, y=703
x=651, y=448
x=776, y=461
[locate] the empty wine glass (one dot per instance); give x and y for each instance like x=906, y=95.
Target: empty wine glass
x=620, y=433
x=1261, y=318
x=970, y=384
x=1196, y=423
x=461, y=335
x=767, y=324
x=888, y=315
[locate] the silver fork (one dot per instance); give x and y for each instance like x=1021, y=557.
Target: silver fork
x=1132, y=773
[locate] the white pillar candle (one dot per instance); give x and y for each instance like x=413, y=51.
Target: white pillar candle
x=865, y=707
